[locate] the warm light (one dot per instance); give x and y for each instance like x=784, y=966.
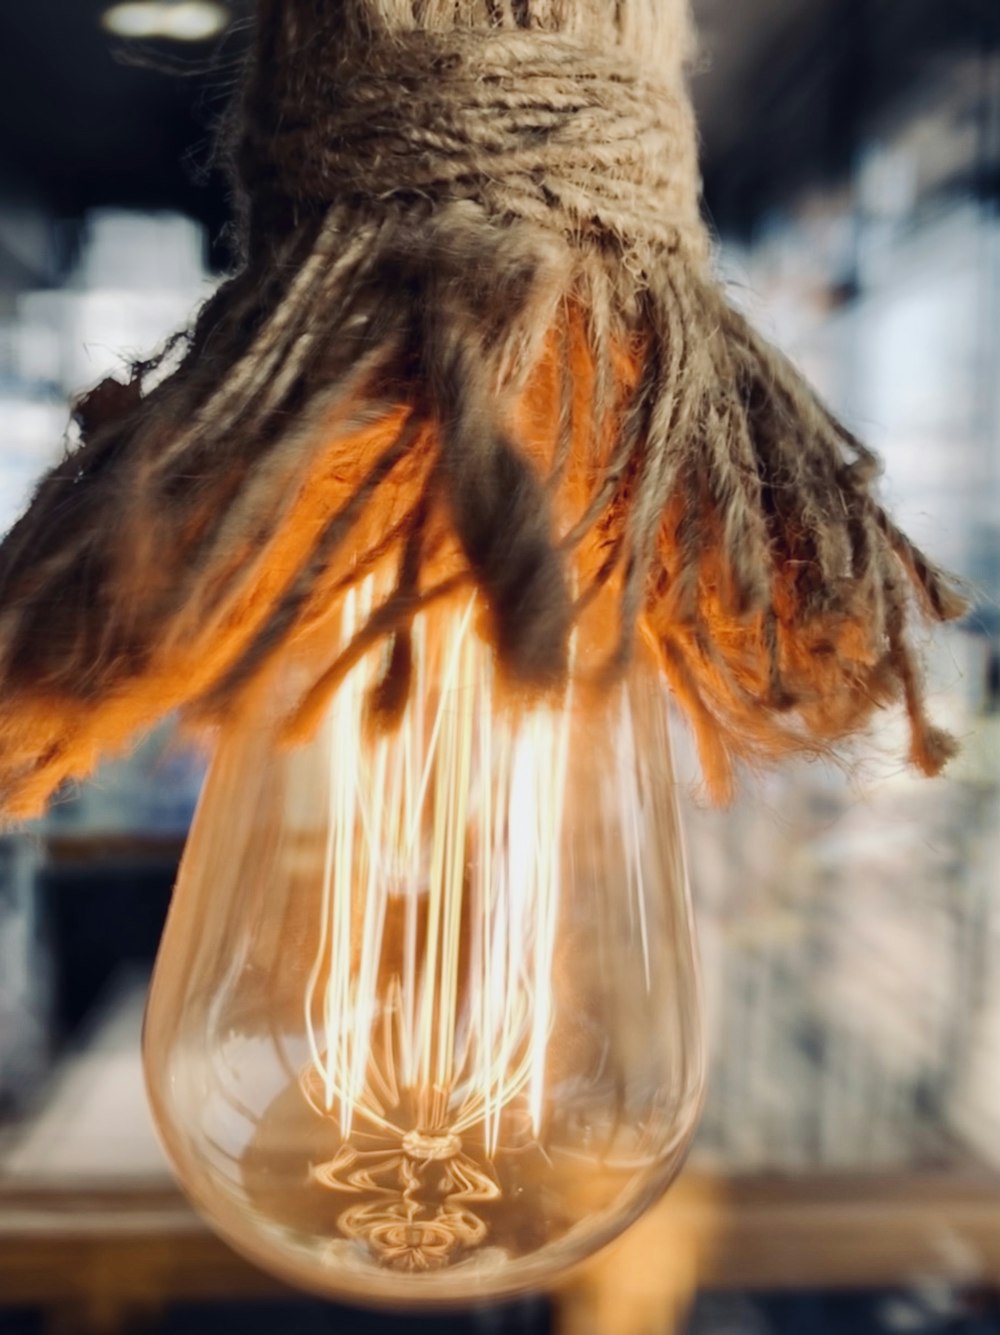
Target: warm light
x=424, y=1024
x=176, y=20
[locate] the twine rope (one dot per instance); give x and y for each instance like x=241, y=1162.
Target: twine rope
x=453, y=203
x=531, y=126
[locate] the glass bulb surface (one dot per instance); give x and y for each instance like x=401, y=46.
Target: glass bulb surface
x=424, y=1025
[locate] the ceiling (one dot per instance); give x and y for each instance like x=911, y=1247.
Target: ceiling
x=780, y=87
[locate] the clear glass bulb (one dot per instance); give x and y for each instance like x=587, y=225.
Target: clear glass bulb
x=424, y=1025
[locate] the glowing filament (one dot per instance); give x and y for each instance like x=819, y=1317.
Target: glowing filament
x=447, y=830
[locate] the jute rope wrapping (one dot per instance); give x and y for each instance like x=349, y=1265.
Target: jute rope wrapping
x=475, y=335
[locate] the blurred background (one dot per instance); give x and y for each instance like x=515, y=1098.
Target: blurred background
x=847, y=1174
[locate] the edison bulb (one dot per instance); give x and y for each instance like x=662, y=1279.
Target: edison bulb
x=424, y=1024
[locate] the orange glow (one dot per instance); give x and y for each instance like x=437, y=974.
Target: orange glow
x=717, y=659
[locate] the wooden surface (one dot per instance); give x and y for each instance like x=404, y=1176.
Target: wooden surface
x=764, y=1234
x=89, y=848
x=92, y=1227
x=108, y=1252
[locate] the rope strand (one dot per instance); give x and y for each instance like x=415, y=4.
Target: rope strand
x=476, y=334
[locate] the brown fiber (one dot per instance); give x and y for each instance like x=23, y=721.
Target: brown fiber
x=475, y=335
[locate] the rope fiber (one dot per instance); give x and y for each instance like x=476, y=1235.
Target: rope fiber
x=476, y=334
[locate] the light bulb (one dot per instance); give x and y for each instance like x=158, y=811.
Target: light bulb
x=424, y=1025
